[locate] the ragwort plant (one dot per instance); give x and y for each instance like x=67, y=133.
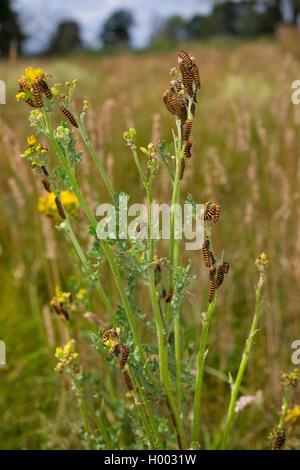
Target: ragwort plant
x=159, y=384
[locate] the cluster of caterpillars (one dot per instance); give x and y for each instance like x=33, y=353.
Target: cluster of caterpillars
x=216, y=270
x=111, y=338
x=180, y=101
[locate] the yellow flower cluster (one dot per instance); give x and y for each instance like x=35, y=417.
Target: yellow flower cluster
x=62, y=297
x=65, y=356
x=30, y=75
x=47, y=205
x=290, y=380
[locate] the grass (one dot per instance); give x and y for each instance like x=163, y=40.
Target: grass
x=245, y=156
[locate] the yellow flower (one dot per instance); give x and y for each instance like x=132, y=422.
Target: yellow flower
x=31, y=140
x=293, y=414
x=68, y=198
x=20, y=95
x=32, y=73
x=47, y=205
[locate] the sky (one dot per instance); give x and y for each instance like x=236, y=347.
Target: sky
x=39, y=18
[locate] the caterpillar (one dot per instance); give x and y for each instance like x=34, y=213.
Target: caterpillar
x=31, y=103
x=211, y=290
x=140, y=227
x=46, y=185
x=187, y=148
x=168, y=105
x=45, y=171
x=69, y=116
x=217, y=210
x=279, y=440
x=168, y=298
x=185, y=76
x=60, y=209
x=226, y=267
x=24, y=84
x=181, y=168
x=206, y=253
x=196, y=76
x=175, y=86
x=44, y=87
x=36, y=94
x=209, y=210
x=174, y=101
x=190, y=83
x=107, y=335
x=187, y=130
x=185, y=57
x=212, y=272
x=124, y=357
x=220, y=276
x=183, y=114
x=128, y=380
x=59, y=310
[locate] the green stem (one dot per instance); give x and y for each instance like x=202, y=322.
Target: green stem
x=201, y=361
x=88, y=144
x=285, y=407
x=236, y=385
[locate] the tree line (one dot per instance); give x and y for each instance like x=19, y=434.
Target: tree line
x=244, y=18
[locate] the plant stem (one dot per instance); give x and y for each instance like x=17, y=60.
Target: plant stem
x=236, y=385
x=201, y=361
x=285, y=407
x=88, y=144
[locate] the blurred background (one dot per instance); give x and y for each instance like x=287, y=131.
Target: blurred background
x=245, y=157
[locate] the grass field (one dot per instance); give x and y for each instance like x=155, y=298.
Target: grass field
x=245, y=156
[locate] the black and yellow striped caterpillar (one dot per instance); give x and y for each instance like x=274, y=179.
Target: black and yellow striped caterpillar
x=44, y=87
x=46, y=185
x=206, y=253
x=124, y=357
x=37, y=94
x=217, y=213
x=211, y=290
x=69, y=116
x=187, y=130
x=196, y=76
x=226, y=267
x=60, y=310
x=185, y=74
x=108, y=335
x=60, y=209
x=279, y=440
x=128, y=380
x=187, y=148
x=209, y=210
x=212, y=272
x=31, y=103
x=168, y=297
x=168, y=105
x=181, y=168
x=220, y=276
x=24, y=84
x=185, y=57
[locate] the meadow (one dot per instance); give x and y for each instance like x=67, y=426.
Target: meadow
x=245, y=157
